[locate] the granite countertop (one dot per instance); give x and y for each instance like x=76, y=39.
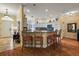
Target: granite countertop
x=38, y=31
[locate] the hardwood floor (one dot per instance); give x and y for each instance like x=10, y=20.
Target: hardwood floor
x=69, y=47
x=6, y=43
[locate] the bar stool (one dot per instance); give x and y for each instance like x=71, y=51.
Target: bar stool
x=59, y=37
x=54, y=38
x=51, y=39
x=27, y=40
x=38, y=40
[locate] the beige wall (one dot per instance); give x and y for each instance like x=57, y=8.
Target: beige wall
x=64, y=20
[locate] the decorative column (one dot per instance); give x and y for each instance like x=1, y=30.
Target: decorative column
x=21, y=17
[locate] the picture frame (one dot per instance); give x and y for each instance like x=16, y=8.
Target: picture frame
x=71, y=27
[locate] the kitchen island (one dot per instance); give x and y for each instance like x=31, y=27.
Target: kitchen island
x=44, y=34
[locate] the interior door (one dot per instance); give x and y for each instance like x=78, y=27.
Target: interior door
x=6, y=28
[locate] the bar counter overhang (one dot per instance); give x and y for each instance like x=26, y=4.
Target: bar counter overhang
x=44, y=34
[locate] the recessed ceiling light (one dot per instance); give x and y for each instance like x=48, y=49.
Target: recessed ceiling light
x=46, y=10
x=28, y=10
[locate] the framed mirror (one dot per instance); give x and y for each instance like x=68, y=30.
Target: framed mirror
x=71, y=27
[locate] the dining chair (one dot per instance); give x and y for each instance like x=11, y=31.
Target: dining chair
x=59, y=37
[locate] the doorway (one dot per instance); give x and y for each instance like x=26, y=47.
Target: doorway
x=6, y=28
x=6, y=31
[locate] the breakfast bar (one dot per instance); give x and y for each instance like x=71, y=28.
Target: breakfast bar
x=44, y=38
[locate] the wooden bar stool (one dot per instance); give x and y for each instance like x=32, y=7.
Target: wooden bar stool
x=38, y=40
x=51, y=39
x=27, y=40
x=54, y=38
